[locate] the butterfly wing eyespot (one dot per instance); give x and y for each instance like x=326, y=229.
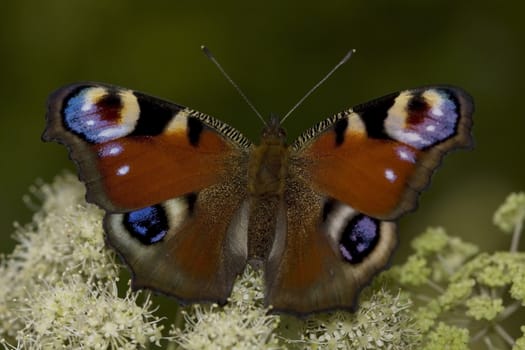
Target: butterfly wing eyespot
x=123, y=140
x=379, y=156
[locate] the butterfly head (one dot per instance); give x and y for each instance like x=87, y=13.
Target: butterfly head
x=273, y=132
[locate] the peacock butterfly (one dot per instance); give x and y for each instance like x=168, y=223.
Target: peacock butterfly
x=190, y=201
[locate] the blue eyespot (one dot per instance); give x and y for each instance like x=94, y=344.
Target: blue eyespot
x=359, y=238
x=94, y=114
x=148, y=225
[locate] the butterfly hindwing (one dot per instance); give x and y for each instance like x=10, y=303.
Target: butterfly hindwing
x=172, y=182
x=324, y=254
x=191, y=247
x=379, y=156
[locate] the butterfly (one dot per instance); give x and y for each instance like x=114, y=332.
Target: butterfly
x=190, y=201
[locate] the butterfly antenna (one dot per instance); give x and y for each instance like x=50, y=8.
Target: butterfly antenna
x=343, y=61
x=212, y=58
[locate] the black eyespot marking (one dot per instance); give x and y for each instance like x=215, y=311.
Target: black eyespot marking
x=359, y=238
x=374, y=114
x=340, y=130
x=191, y=198
x=148, y=225
x=154, y=115
x=453, y=97
x=417, y=103
x=328, y=207
x=417, y=110
x=110, y=101
x=195, y=127
x=109, y=107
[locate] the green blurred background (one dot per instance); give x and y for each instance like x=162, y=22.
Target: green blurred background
x=276, y=51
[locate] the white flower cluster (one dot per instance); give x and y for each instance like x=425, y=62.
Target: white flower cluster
x=383, y=321
x=242, y=324
x=58, y=288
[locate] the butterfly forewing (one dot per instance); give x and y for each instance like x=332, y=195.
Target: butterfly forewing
x=378, y=156
x=135, y=150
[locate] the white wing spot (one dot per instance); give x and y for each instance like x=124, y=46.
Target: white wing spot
x=406, y=154
x=86, y=106
x=410, y=137
x=431, y=128
x=436, y=111
x=111, y=149
x=390, y=175
x=123, y=170
x=115, y=150
x=114, y=132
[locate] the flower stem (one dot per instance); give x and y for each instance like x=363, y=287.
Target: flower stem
x=435, y=286
x=503, y=334
x=517, y=234
x=509, y=310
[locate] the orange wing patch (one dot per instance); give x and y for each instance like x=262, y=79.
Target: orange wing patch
x=140, y=171
x=370, y=174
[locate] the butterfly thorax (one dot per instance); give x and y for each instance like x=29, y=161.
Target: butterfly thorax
x=268, y=162
x=267, y=172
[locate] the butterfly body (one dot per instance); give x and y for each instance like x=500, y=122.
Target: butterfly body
x=189, y=201
x=267, y=171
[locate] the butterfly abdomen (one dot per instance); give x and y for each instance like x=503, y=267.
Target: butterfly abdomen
x=267, y=171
